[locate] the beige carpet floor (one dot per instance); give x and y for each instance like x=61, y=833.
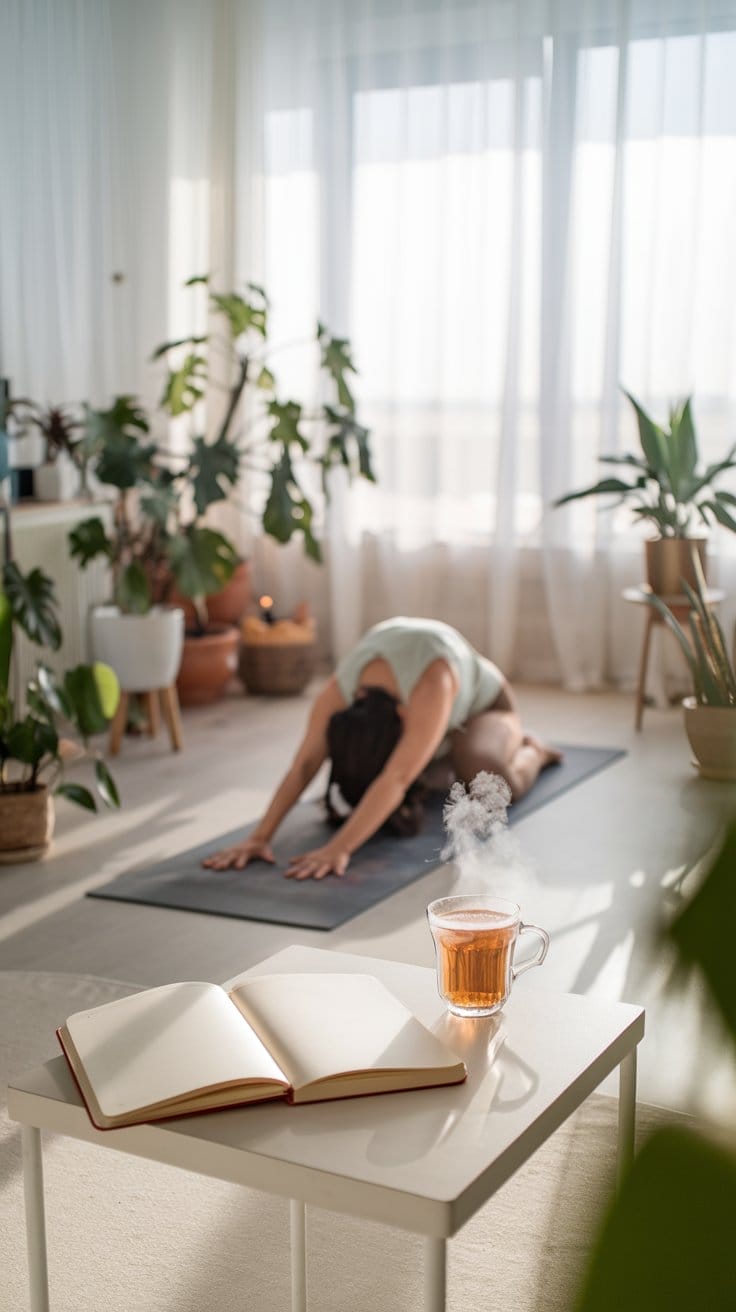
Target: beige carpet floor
x=130, y=1236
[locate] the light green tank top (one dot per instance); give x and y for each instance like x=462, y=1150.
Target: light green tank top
x=409, y=646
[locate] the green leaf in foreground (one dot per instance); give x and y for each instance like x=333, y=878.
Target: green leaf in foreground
x=77, y=793
x=106, y=786
x=668, y=1240
x=33, y=602
x=703, y=932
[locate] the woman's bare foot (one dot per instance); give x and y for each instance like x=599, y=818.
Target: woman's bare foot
x=548, y=755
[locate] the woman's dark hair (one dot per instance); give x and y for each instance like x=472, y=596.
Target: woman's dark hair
x=360, y=740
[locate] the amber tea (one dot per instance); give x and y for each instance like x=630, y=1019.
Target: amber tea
x=474, y=939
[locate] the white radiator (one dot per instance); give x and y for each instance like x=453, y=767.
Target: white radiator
x=40, y=539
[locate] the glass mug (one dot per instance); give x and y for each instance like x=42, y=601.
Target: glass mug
x=474, y=937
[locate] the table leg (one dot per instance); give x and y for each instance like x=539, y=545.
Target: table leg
x=435, y=1275
x=626, y=1112
x=641, y=690
x=35, y=1218
x=298, y=1256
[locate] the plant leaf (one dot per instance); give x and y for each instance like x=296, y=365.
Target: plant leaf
x=213, y=470
x=242, y=314
x=85, y=704
x=51, y=692
x=337, y=360
x=77, y=793
x=106, y=784
x=202, y=561
x=30, y=740
x=679, y=632
x=719, y=512
x=33, y=603
x=165, y=347
x=185, y=386
x=288, y=510
x=667, y=1243
x=702, y=932
x=114, y=437
x=653, y=442
x=89, y=540
x=285, y=430
x=133, y=590
x=349, y=444
x=266, y=380
x=605, y=486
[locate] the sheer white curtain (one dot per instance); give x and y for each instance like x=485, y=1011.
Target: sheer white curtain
x=109, y=162
x=511, y=209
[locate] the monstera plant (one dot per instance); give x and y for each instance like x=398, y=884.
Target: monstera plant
x=48, y=725
x=274, y=436
x=160, y=544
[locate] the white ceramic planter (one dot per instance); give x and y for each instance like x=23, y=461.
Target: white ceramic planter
x=57, y=481
x=711, y=732
x=144, y=650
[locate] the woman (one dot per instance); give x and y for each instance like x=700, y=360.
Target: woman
x=411, y=693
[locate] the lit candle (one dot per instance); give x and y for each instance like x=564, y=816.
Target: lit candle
x=266, y=605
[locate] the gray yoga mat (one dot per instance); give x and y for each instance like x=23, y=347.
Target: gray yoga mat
x=380, y=868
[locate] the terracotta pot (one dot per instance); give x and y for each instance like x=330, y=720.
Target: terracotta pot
x=711, y=732
x=209, y=662
x=669, y=561
x=228, y=606
x=26, y=824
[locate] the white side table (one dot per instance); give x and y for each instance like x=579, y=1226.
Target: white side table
x=424, y=1161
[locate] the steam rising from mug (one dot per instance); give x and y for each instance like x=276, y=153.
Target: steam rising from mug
x=484, y=853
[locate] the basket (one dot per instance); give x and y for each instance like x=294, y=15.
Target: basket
x=277, y=669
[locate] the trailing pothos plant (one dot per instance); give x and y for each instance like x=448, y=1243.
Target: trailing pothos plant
x=262, y=431
x=669, y=487
x=37, y=738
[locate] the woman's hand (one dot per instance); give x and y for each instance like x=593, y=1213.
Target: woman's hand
x=330, y=859
x=238, y=856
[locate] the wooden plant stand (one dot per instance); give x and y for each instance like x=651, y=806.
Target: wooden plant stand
x=163, y=700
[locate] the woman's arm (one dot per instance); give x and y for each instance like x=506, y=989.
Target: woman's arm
x=310, y=755
x=426, y=717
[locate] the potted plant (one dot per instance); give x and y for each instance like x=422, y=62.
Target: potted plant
x=59, y=478
x=34, y=738
x=154, y=543
x=710, y=713
x=276, y=438
x=671, y=490
x=61, y=472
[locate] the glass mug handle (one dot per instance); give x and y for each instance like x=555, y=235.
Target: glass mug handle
x=539, y=958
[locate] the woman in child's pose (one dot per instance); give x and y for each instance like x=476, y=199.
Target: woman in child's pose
x=411, y=694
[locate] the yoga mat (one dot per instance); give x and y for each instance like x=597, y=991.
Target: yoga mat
x=384, y=865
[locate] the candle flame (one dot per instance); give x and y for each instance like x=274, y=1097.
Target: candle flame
x=265, y=602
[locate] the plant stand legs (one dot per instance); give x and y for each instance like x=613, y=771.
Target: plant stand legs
x=117, y=728
x=157, y=701
x=170, y=708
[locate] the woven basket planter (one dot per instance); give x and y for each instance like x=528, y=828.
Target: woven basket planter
x=26, y=824
x=279, y=670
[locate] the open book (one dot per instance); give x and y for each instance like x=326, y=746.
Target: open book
x=192, y=1047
